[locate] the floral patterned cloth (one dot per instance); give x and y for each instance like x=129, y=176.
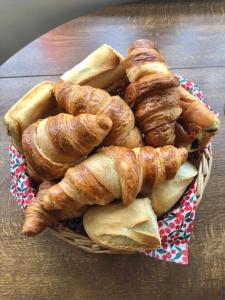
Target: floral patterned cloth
x=175, y=228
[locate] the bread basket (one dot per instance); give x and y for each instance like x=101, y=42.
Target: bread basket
x=72, y=232
x=85, y=243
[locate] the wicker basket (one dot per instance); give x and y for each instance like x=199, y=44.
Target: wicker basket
x=202, y=161
x=88, y=245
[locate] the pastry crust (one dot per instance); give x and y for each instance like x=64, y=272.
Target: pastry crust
x=153, y=93
x=127, y=228
x=196, y=125
x=37, y=103
x=76, y=99
x=165, y=195
x=113, y=173
x=54, y=144
x=36, y=218
x=103, y=69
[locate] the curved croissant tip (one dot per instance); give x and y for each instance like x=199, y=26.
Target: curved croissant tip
x=183, y=154
x=142, y=43
x=105, y=122
x=31, y=229
x=58, y=85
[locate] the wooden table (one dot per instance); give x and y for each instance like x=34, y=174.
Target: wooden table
x=192, y=37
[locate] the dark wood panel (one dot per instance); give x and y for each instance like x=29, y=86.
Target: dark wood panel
x=189, y=34
x=47, y=268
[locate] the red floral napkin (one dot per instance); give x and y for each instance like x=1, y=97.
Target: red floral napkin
x=175, y=227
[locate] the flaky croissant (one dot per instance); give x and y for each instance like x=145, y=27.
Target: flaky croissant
x=196, y=125
x=103, y=68
x=153, y=93
x=36, y=218
x=76, y=99
x=54, y=144
x=112, y=173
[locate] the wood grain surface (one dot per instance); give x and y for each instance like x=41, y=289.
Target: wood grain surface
x=192, y=37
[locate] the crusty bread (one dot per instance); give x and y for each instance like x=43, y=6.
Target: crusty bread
x=128, y=228
x=35, y=104
x=103, y=68
x=164, y=196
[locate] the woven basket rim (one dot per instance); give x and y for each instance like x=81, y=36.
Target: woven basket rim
x=85, y=243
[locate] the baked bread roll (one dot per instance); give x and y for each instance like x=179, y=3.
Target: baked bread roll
x=112, y=173
x=103, y=69
x=37, y=103
x=165, y=195
x=129, y=228
x=153, y=93
x=196, y=125
x=53, y=145
x=76, y=99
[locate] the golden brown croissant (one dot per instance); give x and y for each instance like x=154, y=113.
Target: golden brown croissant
x=196, y=125
x=54, y=144
x=112, y=173
x=153, y=92
x=103, y=68
x=36, y=218
x=76, y=99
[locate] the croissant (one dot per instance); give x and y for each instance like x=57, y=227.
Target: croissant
x=76, y=99
x=36, y=218
x=153, y=93
x=112, y=173
x=54, y=144
x=196, y=125
x=103, y=68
